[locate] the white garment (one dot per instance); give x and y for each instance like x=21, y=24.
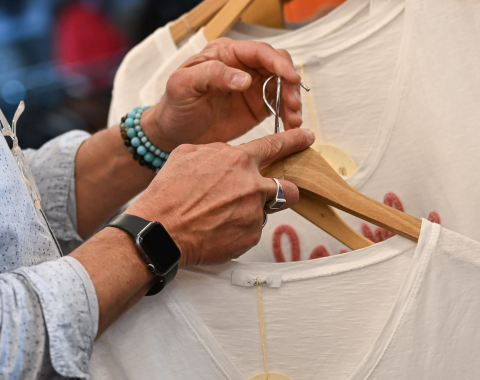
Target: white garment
x=146, y=60
x=396, y=310
x=338, y=67
x=401, y=99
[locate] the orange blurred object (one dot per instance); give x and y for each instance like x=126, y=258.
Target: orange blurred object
x=308, y=10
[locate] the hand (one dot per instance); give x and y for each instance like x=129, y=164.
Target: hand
x=216, y=95
x=210, y=198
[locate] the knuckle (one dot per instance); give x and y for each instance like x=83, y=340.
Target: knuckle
x=273, y=145
x=182, y=149
x=214, y=68
x=257, y=235
x=238, y=158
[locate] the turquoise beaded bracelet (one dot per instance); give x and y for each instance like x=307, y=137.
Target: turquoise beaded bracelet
x=138, y=144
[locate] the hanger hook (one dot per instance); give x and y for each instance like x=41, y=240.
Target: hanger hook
x=276, y=112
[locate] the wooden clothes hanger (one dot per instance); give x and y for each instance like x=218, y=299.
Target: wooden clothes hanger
x=192, y=21
x=266, y=13
x=223, y=21
x=319, y=183
x=260, y=12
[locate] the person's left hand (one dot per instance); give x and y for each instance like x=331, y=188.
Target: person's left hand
x=216, y=95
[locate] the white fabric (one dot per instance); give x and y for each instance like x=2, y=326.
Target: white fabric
x=396, y=310
x=386, y=91
x=339, y=67
x=144, y=64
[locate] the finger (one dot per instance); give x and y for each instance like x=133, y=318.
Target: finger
x=291, y=107
x=290, y=193
x=248, y=54
x=207, y=76
x=268, y=149
x=290, y=103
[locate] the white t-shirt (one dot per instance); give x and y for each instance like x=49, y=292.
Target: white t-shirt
x=395, y=310
x=332, y=68
x=146, y=60
x=341, y=68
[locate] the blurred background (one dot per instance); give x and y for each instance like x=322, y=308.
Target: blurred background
x=60, y=56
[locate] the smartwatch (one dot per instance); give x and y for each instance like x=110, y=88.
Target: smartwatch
x=155, y=246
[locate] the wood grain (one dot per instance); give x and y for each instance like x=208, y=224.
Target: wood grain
x=225, y=18
x=196, y=18
x=310, y=172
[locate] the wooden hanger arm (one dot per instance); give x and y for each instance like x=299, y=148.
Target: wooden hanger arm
x=195, y=19
x=324, y=216
x=309, y=171
x=224, y=20
x=312, y=208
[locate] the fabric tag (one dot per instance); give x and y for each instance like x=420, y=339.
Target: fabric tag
x=247, y=279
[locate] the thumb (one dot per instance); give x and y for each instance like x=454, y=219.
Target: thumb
x=269, y=149
x=208, y=76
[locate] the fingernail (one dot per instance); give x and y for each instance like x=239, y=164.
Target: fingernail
x=299, y=114
x=310, y=135
x=297, y=95
x=239, y=80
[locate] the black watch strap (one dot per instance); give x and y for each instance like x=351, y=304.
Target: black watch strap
x=134, y=225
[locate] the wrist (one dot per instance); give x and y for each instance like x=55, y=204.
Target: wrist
x=171, y=224
x=154, y=130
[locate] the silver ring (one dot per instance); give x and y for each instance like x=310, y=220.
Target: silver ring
x=279, y=200
x=265, y=219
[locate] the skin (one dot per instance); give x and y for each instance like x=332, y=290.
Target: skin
x=209, y=196
x=203, y=103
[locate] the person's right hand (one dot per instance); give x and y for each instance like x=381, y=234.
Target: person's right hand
x=210, y=198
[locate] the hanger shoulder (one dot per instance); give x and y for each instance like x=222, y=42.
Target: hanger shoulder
x=192, y=21
x=224, y=20
x=309, y=171
x=312, y=208
x=265, y=12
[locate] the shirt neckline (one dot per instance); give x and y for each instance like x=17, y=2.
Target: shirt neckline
x=329, y=266
x=313, y=31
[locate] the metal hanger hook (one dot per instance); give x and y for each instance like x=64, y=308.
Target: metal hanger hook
x=276, y=112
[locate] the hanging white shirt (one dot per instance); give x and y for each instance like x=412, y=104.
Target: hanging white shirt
x=395, y=310
x=148, y=58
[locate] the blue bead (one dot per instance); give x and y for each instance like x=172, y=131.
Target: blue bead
x=141, y=150
x=129, y=122
x=148, y=157
x=148, y=144
x=157, y=162
x=138, y=115
x=163, y=163
x=140, y=134
x=131, y=133
x=144, y=139
x=162, y=155
x=135, y=142
x=131, y=114
x=136, y=109
x=153, y=148
x=136, y=121
x=138, y=128
x=158, y=152
x=166, y=156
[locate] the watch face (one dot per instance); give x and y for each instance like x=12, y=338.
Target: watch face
x=160, y=248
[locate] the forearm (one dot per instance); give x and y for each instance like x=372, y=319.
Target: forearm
x=119, y=274
x=107, y=177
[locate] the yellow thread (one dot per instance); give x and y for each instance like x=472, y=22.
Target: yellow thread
x=262, y=324
x=316, y=144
